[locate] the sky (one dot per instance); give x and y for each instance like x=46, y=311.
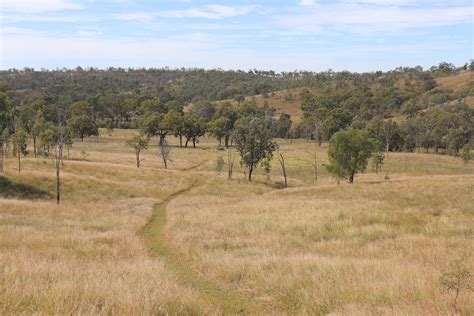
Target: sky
x=316, y=35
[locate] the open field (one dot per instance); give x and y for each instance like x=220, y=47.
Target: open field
x=188, y=241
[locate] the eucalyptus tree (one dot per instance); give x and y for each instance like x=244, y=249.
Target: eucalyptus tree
x=253, y=141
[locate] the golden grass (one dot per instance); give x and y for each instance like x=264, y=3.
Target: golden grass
x=373, y=247
x=363, y=248
x=456, y=82
x=85, y=256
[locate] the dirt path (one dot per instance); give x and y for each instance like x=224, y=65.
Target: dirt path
x=225, y=301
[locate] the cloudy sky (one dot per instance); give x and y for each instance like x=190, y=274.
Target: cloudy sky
x=357, y=35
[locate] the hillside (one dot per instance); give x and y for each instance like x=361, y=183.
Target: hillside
x=289, y=100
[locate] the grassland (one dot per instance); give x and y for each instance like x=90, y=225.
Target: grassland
x=188, y=241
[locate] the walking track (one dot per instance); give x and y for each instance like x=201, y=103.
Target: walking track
x=225, y=301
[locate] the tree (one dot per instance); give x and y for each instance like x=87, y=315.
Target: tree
x=157, y=124
x=239, y=98
x=466, y=153
x=219, y=164
x=80, y=120
x=253, y=141
x=377, y=160
x=193, y=129
x=217, y=128
x=176, y=124
x=281, y=159
x=230, y=163
x=39, y=126
x=6, y=138
x=222, y=125
x=267, y=167
x=390, y=129
x=164, y=152
x=457, y=278
x=47, y=139
x=336, y=120
x=4, y=108
x=20, y=145
x=138, y=143
x=349, y=152
x=283, y=126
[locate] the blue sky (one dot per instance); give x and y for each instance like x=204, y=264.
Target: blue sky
x=355, y=35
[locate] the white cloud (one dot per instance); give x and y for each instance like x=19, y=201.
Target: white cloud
x=212, y=11
x=16, y=31
x=35, y=6
x=355, y=18
x=307, y=2
x=191, y=50
x=136, y=16
x=89, y=33
x=14, y=18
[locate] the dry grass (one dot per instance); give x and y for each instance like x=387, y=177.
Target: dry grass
x=366, y=248
x=456, y=83
x=85, y=256
x=373, y=247
x=282, y=102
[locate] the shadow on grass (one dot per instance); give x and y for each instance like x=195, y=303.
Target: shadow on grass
x=9, y=189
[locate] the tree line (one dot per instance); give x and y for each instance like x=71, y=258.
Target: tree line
x=399, y=110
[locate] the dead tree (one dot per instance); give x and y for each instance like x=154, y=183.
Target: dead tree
x=230, y=163
x=314, y=163
x=58, y=155
x=164, y=152
x=58, y=158
x=1, y=155
x=281, y=159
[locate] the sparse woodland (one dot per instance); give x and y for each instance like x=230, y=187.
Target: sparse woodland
x=189, y=191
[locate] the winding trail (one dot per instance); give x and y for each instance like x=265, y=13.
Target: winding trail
x=225, y=301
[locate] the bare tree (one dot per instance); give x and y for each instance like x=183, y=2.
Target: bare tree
x=314, y=163
x=3, y=142
x=230, y=163
x=58, y=157
x=281, y=159
x=164, y=152
x=1, y=156
x=58, y=154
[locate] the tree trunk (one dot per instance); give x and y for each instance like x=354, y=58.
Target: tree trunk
x=250, y=173
x=351, y=178
x=58, y=166
x=230, y=164
x=226, y=141
x=283, y=169
x=186, y=144
x=1, y=157
x=138, y=160
x=194, y=142
x=19, y=162
x=34, y=145
x=162, y=138
x=180, y=141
